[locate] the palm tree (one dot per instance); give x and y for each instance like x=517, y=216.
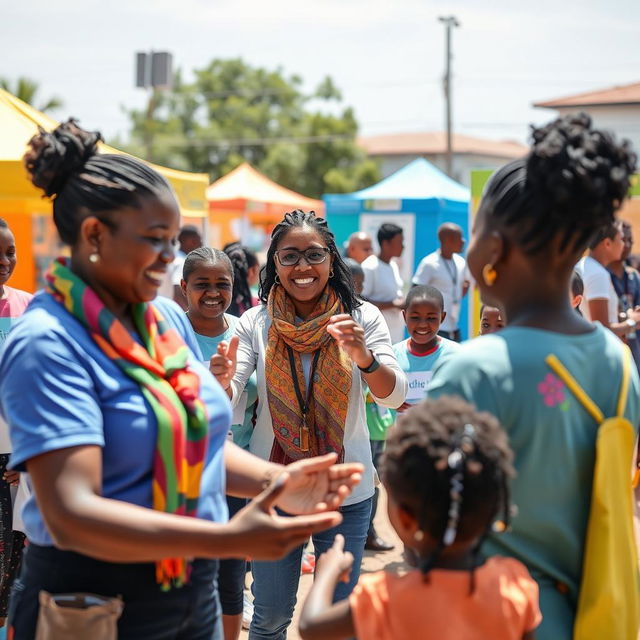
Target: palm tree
x=26, y=90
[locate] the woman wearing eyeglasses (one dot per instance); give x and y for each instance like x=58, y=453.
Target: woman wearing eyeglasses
x=314, y=346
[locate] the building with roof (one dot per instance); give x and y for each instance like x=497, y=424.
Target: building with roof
x=398, y=149
x=614, y=108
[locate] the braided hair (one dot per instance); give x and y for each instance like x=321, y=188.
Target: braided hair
x=65, y=164
x=448, y=465
x=241, y=297
x=341, y=280
x=570, y=184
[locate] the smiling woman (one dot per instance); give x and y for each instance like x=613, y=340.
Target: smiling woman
x=124, y=432
x=315, y=346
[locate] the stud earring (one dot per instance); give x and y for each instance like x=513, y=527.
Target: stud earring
x=418, y=536
x=489, y=275
x=94, y=257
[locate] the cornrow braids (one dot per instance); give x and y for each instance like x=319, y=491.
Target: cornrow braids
x=241, y=296
x=204, y=254
x=341, y=280
x=449, y=465
x=65, y=165
x=570, y=184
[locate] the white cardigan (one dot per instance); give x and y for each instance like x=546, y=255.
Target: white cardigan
x=253, y=330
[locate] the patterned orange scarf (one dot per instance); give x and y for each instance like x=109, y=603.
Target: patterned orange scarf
x=332, y=383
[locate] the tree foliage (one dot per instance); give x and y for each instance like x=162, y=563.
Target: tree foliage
x=27, y=90
x=232, y=112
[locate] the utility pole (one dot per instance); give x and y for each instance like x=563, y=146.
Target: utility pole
x=449, y=22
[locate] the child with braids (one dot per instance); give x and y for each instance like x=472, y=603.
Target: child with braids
x=446, y=470
x=537, y=216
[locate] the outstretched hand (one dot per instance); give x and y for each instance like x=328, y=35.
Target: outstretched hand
x=318, y=484
x=223, y=363
x=264, y=535
x=336, y=561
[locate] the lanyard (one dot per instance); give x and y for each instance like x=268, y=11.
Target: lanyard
x=303, y=402
x=452, y=271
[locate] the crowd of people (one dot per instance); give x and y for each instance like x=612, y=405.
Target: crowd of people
x=164, y=445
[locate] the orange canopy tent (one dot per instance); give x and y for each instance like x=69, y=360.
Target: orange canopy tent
x=246, y=200
x=29, y=215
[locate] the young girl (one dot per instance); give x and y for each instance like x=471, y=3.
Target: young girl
x=445, y=469
x=13, y=303
x=423, y=314
x=207, y=284
x=535, y=220
x=491, y=320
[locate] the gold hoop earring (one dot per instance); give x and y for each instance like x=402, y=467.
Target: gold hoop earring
x=489, y=275
x=94, y=257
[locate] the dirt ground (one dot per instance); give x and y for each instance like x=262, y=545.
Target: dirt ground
x=391, y=560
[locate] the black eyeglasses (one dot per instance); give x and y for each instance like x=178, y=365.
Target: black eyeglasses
x=313, y=255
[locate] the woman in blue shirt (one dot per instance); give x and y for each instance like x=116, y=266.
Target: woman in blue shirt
x=534, y=222
x=122, y=430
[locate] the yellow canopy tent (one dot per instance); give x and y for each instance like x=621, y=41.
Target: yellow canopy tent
x=21, y=203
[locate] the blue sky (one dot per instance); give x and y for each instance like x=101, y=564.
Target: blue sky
x=386, y=56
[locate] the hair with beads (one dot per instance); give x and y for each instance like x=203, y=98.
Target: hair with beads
x=341, y=280
x=65, y=164
x=448, y=465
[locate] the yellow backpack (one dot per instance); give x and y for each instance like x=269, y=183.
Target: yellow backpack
x=609, y=600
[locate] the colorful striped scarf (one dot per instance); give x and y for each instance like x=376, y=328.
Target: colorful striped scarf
x=332, y=384
x=159, y=366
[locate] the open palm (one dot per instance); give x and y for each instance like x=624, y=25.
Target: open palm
x=318, y=484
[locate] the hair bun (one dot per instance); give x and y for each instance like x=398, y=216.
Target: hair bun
x=55, y=156
x=573, y=167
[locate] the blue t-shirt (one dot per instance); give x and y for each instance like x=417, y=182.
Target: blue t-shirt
x=553, y=439
x=419, y=367
x=244, y=416
x=58, y=389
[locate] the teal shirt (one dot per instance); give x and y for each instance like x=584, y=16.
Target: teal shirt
x=553, y=439
x=209, y=345
x=419, y=367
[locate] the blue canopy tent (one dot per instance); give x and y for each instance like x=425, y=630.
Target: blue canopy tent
x=418, y=197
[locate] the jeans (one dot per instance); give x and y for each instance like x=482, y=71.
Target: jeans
x=232, y=571
x=275, y=584
x=191, y=612
x=377, y=448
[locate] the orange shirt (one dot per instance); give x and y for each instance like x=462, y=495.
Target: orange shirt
x=503, y=606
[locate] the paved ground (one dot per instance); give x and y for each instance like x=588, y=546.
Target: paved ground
x=391, y=560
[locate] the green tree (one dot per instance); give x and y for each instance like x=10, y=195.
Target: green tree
x=27, y=90
x=232, y=112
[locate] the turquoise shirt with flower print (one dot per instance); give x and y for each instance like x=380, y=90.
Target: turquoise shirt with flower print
x=553, y=439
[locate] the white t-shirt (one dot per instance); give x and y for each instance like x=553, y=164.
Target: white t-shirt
x=253, y=331
x=448, y=277
x=383, y=283
x=597, y=286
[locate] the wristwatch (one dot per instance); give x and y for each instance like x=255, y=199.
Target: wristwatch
x=373, y=366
